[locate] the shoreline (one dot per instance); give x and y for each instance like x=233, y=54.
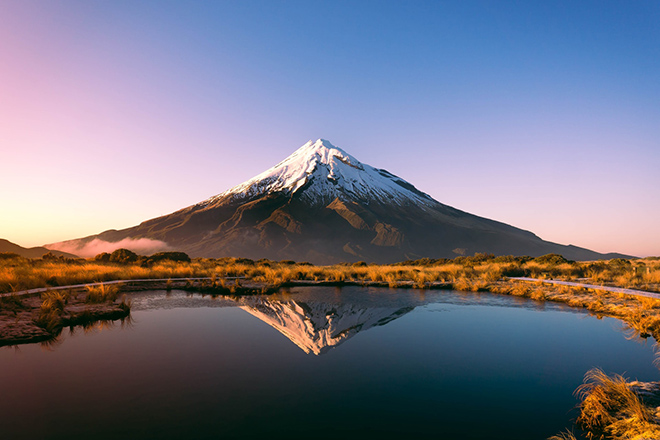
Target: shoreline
x=433, y=285
x=19, y=325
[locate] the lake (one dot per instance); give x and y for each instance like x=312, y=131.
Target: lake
x=316, y=363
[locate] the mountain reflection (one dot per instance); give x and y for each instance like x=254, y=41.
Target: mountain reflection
x=317, y=327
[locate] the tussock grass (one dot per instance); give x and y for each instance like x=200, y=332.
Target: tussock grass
x=51, y=312
x=102, y=293
x=60, y=308
x=566, y=435
x=610, y=409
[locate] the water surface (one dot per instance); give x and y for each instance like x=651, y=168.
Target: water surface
x=317, y=363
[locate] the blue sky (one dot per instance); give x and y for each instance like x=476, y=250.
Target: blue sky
x=544, y=115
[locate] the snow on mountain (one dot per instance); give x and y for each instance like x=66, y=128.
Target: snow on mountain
x=326, y=172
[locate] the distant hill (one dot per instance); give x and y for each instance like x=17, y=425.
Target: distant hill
x=35, y=252
x=324, y=206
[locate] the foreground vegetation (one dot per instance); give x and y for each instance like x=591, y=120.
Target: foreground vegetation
x=27, y=319
x=611, y=407
x=17, y=273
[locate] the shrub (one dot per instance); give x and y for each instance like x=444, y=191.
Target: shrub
x=166, y=256
x=102, y=257
x=514, y=271
x=554, y=259
x=620, y=262
x=123, y=256
x=49, y=256
x=8, y=256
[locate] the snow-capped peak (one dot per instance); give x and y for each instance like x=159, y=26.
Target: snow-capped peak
x=327, y=172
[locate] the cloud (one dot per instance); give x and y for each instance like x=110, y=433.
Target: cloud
x=142, y=246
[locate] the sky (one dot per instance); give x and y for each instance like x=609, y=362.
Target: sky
x=542, y=115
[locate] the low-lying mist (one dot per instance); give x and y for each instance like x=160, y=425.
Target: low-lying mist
x=143, y=246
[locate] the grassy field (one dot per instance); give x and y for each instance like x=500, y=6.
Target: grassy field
x=466, y=273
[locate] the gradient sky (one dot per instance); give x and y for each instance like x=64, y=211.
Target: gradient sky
x=543, y=115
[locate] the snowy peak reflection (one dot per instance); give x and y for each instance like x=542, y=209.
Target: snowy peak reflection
x=316, y=327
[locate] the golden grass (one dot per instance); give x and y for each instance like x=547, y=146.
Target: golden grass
x=610, y=409
x=101, y=294
x=21, y=274
x=567, y=435
x=29, y=274
x=52, y=309
x=479, y=273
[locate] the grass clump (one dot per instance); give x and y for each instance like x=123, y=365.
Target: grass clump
x=566, y=435
x=51, y=312
x=610, y=409
x=61, y=308
x=101, y=294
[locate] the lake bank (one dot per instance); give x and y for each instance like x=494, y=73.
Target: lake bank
x=33, y=318
x=19, y=311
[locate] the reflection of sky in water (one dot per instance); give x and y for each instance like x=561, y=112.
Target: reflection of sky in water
x=193, y=366
x=175, y=299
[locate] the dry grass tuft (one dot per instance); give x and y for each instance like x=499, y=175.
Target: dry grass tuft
x=52, y=309
x=101, y=294
x=610, y=409
x=566, y=435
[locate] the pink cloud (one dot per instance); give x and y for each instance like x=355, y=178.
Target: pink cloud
x=142, y=246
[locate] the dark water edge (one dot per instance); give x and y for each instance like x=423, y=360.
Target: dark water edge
x=409, y=364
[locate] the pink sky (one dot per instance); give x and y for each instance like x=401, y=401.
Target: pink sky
x=114, y=113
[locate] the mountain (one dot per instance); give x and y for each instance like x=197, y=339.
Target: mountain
x=324, y=206
x=35, y=252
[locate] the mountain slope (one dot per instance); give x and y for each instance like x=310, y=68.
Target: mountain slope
x=324, y=206
x=34, y=252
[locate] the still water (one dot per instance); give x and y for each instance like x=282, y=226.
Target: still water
x=316, y=363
